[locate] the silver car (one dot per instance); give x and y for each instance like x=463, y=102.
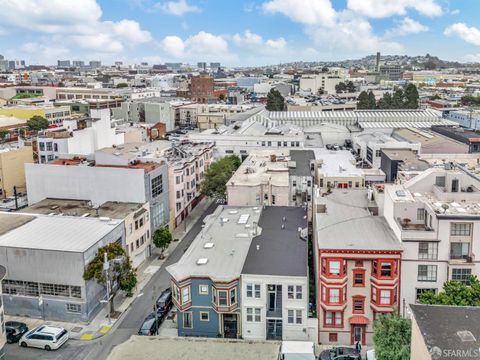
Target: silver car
x=44, y=337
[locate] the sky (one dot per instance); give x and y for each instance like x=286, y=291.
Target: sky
x=235, y=32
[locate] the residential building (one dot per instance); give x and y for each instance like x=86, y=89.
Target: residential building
x=278, y=178
x=357, y=266
x=46, y=257
x=232, y=281
x=55, y=115
x=442, y=332
x=274, y=280
x=210, y=120
x=134, y=216
x=201, y=88
x=12, y=169
x=206, y=280
x=70, y=140
x=98, y=182
x=436, y=217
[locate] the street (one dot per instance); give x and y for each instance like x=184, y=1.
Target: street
x=128, y=325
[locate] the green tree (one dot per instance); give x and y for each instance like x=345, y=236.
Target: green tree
x=122, y=85
x=391, y=337
x=275, y=101
x=37, y=123
x=3, y=134
x=411, y=97
x=386, y=101
x=350, y=87
x=372, y=102
x=217, y=175
x=162, y=237
x=341, y=87
x=120, y=272
x=398, y=99
x=363, y=101
x=455, y=293
x=469, y=100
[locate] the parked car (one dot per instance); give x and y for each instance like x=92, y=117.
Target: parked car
x=164, y=301
x=15, y=331
x=45, y=337
x=150, y=326
x=340, y=353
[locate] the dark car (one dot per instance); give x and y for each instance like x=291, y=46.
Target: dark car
x=340, y=353
x=164, y=301
x=15, y=330
x=150, y=324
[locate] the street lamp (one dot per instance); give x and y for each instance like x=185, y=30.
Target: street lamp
x=106, y=267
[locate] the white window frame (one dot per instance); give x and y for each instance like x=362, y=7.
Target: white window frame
x=249, y=289
x=203, y=313
x=191, y=320
x=203, y=289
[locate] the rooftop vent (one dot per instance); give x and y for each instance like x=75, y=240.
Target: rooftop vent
x=86, y=215
x=104, y=218
x=233, y=212
x=208, y=245
x=400, y=193
x=202, y=261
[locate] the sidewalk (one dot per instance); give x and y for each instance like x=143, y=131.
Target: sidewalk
x=99, y=325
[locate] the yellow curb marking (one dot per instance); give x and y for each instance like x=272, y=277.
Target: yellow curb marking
x=104, y=329
x=87, y=336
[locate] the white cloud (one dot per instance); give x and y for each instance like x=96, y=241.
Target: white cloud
x=338, y=33
x=455, y=12
x=73, y=24
x=46, y=52
x=255, y=42
x=461, y=30
x=177, y=8
x=200, y=44
x=383, y=8
x=310, y=12
x=405, y=27
x=475, y=58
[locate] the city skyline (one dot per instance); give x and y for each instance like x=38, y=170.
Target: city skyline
x=263, y=32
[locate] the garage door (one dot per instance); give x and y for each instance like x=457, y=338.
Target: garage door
x=139, y=258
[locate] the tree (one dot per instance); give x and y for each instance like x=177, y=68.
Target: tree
x=411, y=97
x=162, y=237
x=386, y=101
x=391, y=337
x=121, y=273
x=363, y=101
x=398, y=99
x=372, y=102
x=3, y=134
x=217, y=175
x=341, y=87
x=350, y=87
x=122, y=85
x=275, y=101
x=455, y=293
x=37, y=123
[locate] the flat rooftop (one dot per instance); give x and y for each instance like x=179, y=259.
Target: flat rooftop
x=220, y=249
x=10, y=222
x=344, y=222
x=409, y=159
x=188, y=348
x=67, y=207
x=259, y=168
x=280, y=249
x=431, y=142
x=302, y=160
x=338, y=163
x=56, y=233
x=449, y=327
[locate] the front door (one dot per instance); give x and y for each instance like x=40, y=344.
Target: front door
x=230, y=326
x=358, y=334
x=271, y=300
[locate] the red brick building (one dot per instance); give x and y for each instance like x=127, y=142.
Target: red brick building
x=201, y=88
x=357, y=267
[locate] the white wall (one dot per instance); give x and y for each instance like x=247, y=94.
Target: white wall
x=97, y=184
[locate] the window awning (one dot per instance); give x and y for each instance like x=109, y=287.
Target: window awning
x=358, y=320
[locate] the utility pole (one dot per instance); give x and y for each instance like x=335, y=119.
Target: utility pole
x=106, y=266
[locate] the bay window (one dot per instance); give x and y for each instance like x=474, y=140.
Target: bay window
x=185, y=295
x=385, y=297
x=223, y=298
x=334, y=296
x=333, y=319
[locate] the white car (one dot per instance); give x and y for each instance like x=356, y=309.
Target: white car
x=44, y=337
